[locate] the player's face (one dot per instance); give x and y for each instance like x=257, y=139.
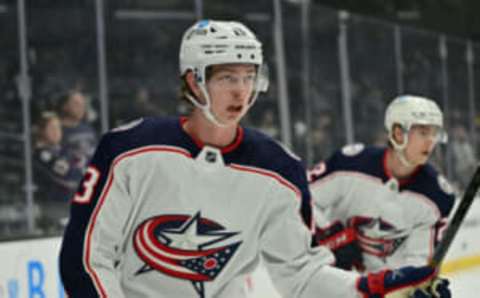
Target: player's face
x=421, y=142
x=230, y=87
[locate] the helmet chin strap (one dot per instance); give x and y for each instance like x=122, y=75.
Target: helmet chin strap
x=399, y=150
x=205, y=108
x=403, y=158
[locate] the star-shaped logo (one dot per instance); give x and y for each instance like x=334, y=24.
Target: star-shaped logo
x=189, y=237
x=379, y=237
x=379, y=228
x=185, y=247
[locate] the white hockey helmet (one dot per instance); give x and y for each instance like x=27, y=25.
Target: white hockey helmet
x=408, y=110
x=210, y=42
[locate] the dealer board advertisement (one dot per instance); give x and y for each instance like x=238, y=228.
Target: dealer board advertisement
x=30, y=269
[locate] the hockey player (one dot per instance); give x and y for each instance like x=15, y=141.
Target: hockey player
x=186, y=207
x=385, y=207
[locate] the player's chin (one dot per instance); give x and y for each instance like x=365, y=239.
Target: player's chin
x=421, y=160
x=230, y=120
x=234, y=117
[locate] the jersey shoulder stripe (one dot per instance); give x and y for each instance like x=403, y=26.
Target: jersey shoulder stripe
x=261, y=151
x=434, y=186
x=370, y=161
x=351, y=158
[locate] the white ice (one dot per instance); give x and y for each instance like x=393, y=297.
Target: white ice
x=466, y=284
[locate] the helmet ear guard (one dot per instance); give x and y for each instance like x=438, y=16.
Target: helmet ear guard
x=262, y=78
x=261, y=84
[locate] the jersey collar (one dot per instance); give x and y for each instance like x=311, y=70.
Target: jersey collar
x=388, y=173
x=226, y=149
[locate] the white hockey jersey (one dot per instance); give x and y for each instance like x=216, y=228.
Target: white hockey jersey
x=159, y=214
x=398, y=223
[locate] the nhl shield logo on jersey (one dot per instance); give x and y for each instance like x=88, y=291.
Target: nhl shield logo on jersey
x=353, y=149
x=185, y=247
x=444, y=185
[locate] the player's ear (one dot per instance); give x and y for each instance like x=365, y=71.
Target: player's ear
x=192, y=84
x=398, y=133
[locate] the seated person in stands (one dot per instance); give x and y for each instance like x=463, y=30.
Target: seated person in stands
x=79, y=137
x=55, y=173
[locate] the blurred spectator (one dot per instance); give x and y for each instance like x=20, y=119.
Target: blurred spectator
x=79, y=137
x=322, y=141
x=55, y=174
x=380, y=138
x=464, y=160
x=143, y=105
x=268, y=124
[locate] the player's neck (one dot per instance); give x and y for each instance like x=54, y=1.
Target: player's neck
x=396, y=167
x=201, y=129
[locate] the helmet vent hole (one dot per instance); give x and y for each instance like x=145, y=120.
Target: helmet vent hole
x=252, y=56
x=239, y=56
x=212, y=30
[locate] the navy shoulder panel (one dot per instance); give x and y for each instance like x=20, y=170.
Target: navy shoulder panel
x=351, y=158
x=145, y=132
x=435, y=187
x=266, y=153
x=356, y=157
x=261, y=151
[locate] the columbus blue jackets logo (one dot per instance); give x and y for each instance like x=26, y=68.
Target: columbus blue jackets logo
x=187, y=247
x=377, y=236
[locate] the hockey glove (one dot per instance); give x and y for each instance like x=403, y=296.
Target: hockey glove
x=343, y=243
x=406, y=282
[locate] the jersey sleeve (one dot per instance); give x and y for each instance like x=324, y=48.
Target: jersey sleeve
x=297, y=269
x=419, y=247
x=296, y=174
x=99, y=210
x=437, y=205
x=423, y=240
x=326, y=188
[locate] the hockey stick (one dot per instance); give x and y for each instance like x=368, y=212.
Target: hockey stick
x=457, y=220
